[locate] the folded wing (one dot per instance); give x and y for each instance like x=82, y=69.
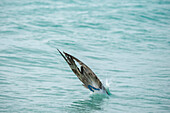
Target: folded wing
x=85, y=74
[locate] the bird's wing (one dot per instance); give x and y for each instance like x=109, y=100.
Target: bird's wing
x=85, y=74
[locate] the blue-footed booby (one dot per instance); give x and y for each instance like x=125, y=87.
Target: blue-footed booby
x=85, y=74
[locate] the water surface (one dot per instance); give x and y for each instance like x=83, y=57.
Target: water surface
x=125, y=42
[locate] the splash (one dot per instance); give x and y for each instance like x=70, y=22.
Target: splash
x=107, y=84
x=102, y=92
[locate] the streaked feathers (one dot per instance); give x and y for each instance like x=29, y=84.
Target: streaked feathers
x=85, y=74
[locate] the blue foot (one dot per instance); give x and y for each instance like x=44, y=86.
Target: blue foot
x=92, y=88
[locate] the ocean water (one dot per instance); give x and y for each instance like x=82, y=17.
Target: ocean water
x=125, y=42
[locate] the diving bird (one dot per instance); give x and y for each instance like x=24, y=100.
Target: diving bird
x=84, y=73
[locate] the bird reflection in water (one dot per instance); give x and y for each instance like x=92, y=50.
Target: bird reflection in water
x=94, y=103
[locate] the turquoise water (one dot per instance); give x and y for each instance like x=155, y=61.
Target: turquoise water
x=125, y=42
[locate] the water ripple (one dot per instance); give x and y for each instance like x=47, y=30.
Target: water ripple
x=126, y=42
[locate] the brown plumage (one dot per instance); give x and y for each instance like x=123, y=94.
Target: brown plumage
x=85, y=74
